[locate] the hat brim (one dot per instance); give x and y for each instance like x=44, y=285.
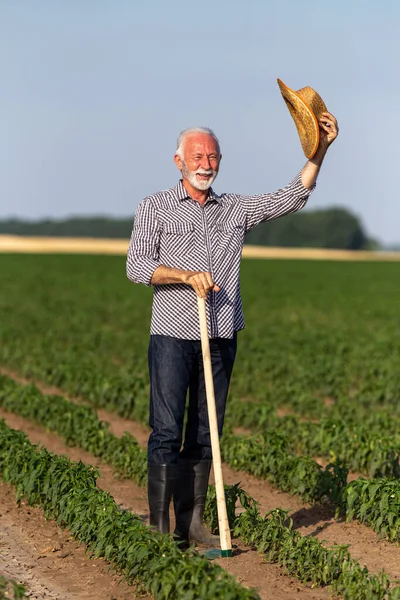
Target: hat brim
x=304, y=118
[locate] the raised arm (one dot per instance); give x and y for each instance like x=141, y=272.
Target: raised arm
x=329, y=130
x=293, y=197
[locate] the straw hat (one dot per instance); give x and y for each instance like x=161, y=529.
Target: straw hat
x=306, y=107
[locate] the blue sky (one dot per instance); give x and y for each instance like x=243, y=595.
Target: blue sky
x=95, y=92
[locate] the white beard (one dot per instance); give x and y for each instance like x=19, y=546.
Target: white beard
x=191, y=177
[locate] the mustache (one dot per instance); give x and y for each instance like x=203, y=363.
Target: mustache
x=205, y=172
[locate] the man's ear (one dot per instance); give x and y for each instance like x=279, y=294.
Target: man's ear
x=178, y=161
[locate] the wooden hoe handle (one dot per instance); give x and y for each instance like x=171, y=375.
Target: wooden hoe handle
x=224, y=531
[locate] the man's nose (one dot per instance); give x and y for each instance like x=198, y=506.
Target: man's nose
x=205, y=163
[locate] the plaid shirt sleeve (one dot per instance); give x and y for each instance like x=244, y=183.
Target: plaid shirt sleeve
x=264, y=207
x=143, y=251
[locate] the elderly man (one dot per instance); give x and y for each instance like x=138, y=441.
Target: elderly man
x=188, y=240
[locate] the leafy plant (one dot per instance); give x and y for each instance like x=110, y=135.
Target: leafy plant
x=11, y=589
x=375, y=502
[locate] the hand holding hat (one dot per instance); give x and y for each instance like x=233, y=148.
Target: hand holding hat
x=315, y=125
x=329, y=129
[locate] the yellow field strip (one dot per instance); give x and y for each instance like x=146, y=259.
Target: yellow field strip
x=64, y=245
x=44, y=245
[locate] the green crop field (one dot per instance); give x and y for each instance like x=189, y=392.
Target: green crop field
x=314, y=331
x=317, y=375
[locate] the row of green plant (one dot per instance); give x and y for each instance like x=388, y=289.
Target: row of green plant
x=360, y=445
x=304, y=557
x=375, y=502
x=267, y=457
x=67, y=492
x=11, y=589
x=78, y=425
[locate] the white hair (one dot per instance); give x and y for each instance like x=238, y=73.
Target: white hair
x=183, y=134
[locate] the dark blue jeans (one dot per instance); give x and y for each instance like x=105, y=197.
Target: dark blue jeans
x=176, y=367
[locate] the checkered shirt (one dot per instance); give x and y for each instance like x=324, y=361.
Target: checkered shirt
x=172, y=229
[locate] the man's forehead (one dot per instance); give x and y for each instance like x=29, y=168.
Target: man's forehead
x=200, y=141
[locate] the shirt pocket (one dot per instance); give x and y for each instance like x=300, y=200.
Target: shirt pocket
x=177, y=238
x=230, y=237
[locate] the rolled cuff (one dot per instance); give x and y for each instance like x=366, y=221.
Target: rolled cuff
x=297, y=187
x=140, y=269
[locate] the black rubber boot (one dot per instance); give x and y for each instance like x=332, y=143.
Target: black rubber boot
x=161, y=483
x=189, y=501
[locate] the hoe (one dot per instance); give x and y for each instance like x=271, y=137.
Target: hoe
x=224, y=531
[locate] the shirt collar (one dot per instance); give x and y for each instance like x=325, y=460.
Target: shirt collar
x=183, y=195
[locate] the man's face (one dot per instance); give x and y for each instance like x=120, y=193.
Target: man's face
x=201, y=158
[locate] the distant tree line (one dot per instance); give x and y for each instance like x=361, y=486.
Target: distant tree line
x=330, y=228
x=94, y=227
